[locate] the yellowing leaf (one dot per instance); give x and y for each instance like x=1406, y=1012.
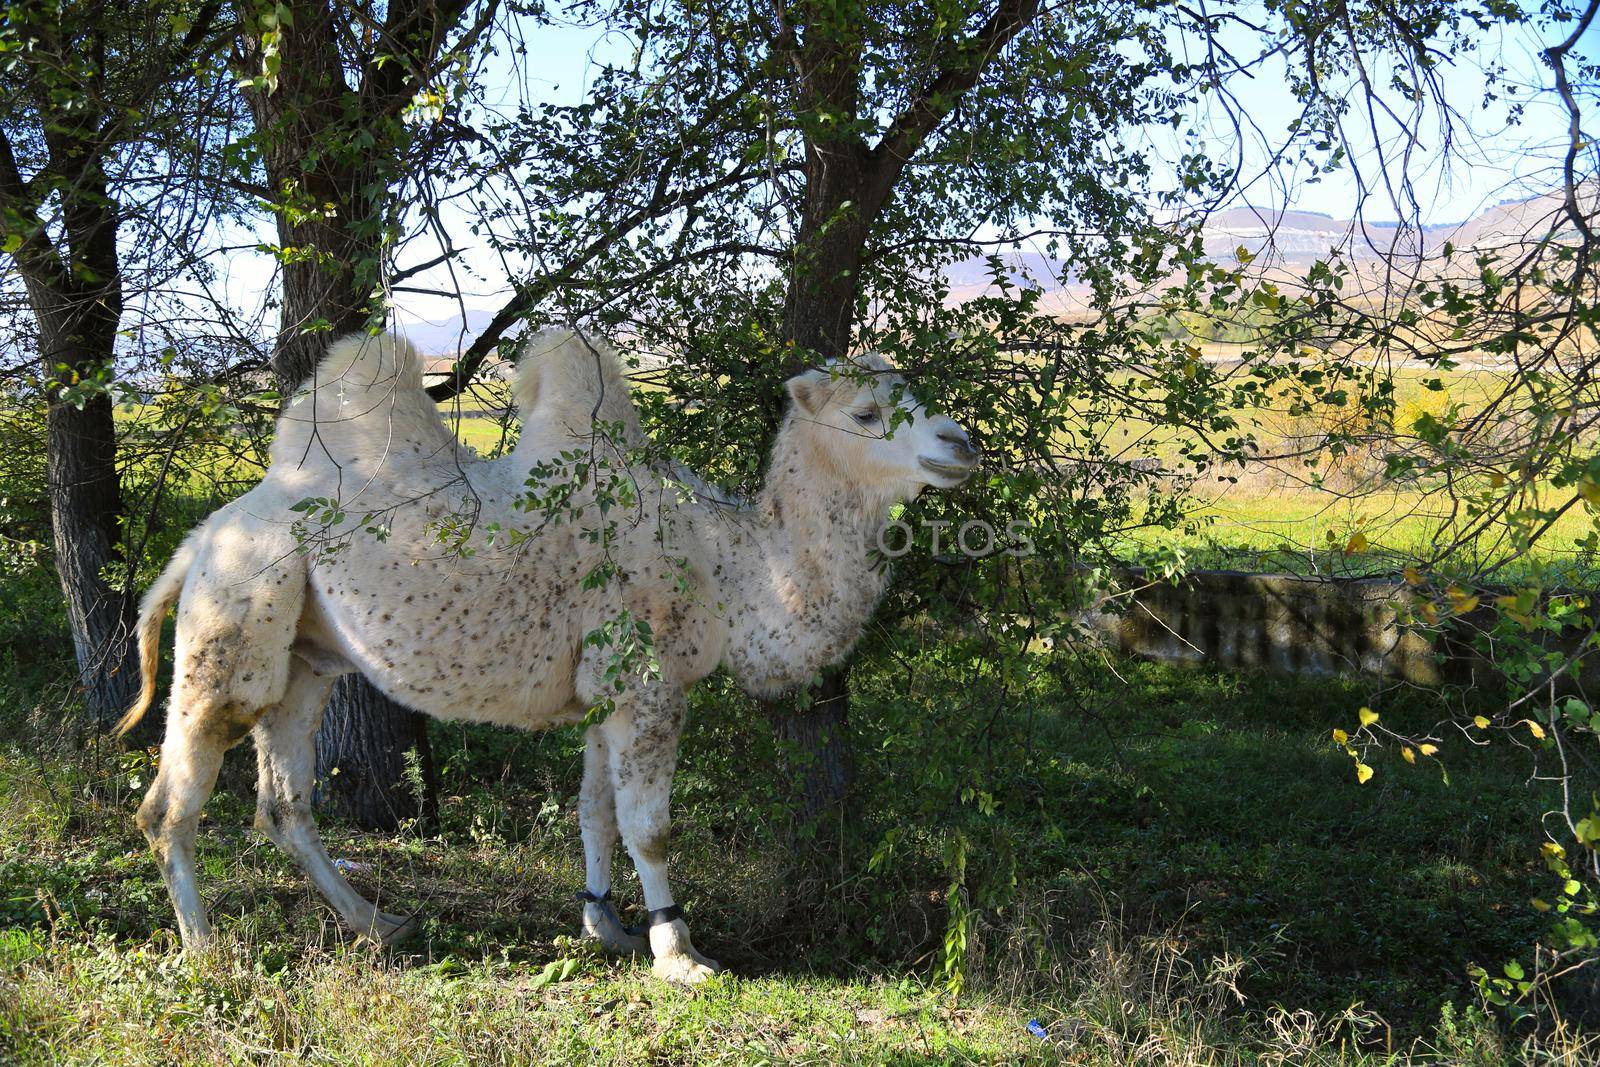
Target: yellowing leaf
x=1340, y=737
x=1363, y=773
x=1496, y=480
x=1408, y=755
x=1357, y=544
x=1428, y=750
x=1412, y=576
x=1534, y=728
x=1480, y=721
x=1367, y=716
x=1466, y=604
x=1539, y=905
x=1589, y=490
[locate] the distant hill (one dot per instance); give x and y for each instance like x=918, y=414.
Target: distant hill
x=1295, y=239
x=1282, y=242
x=1289, y=242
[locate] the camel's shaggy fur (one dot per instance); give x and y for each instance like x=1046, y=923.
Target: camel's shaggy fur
x=471, y=603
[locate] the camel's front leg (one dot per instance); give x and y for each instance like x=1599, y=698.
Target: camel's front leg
x=597, y=816
x=641, y=739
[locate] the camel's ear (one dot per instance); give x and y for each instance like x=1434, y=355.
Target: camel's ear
x=810, y=390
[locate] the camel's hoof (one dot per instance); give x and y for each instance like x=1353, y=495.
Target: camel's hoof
x=616, y=942
x=685, y=969
x=391, y=930
x=602, y=927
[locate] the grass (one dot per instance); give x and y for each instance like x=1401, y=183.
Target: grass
x=1173, y=867
x=1306, y=531
x=1156, y=865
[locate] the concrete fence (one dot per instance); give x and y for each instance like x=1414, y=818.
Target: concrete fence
x=1280, y=622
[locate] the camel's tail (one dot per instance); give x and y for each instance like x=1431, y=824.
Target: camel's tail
x=152, y=610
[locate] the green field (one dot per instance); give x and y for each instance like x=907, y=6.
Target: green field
x=1268, y=517
x=1194, y=877
x=1305, y=531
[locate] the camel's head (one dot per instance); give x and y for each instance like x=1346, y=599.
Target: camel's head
x=861, y=418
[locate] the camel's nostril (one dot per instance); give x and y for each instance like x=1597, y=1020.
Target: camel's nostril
x=963, y=444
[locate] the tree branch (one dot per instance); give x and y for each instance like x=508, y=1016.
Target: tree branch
x=410, y=44
x=1557, y=55
x=958, y=74
x=528, y=297
x=36, y=256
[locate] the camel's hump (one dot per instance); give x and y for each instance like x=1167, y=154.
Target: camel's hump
x=364, y=400
x=567, y=381
x=366, y=361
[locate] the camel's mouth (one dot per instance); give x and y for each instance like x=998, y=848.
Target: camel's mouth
x=956, y=473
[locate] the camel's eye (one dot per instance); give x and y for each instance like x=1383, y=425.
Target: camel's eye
x=869, y=417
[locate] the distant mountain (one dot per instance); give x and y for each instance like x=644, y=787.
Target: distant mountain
x=1295, y=239
x=445, y=338
x=1289, y=242
x=1282, y=242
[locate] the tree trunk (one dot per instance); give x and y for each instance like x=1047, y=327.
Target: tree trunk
x=77, y=305
x=85, y=504
x=374, y=764
x=818, y=318
x=362, y=745
x=327, y=160
x=825, y=769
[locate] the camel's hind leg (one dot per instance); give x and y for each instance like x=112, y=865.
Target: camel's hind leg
x=199, y=731
x=286, y=756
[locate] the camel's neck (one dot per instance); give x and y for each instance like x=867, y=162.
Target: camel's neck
x=799, y=573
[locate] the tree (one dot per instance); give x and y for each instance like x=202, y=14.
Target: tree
x=330, y=86
x=99, y=99
x=870, y=181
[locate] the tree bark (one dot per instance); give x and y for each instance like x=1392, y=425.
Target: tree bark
x=75, y=293
x=363, y=775
x=825, y=769
x=819, y=316
x=362, y=745
x=847, y=186
x=85, y=505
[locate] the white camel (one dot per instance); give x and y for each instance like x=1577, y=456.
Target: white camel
x=471, y=600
